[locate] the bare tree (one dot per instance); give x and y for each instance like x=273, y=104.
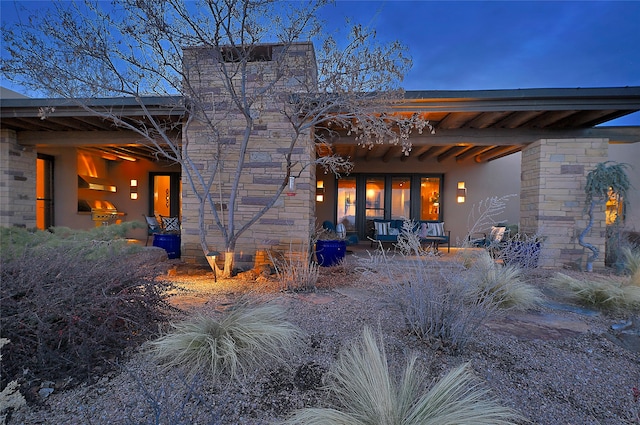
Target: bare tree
x=137, y=48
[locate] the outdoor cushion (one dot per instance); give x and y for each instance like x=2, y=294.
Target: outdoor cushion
x=436, y=229
x=497, y=234
x=382, y=227
x=170, y=224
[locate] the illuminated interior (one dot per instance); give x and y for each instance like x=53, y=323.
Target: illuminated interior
x=347, y=203
x=613, y=209
x=430, y=198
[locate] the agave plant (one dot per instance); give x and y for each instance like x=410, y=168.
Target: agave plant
x=369, y=395
x=248, y=336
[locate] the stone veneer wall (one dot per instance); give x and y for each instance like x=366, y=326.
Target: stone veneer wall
x=289, y=223
x=552, y=199
x=18, y=185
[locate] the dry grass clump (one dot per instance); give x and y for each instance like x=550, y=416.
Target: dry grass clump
x=631, y=259
x=506, y=284
x=607, y=292
x=295, y=270
x=367, y=393
x=247, y=336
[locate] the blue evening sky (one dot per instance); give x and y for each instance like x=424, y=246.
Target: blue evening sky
x=472, y=45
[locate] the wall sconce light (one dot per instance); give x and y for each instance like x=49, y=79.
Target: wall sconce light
x=291, y=187
x=133, y=189
x=461, y=193
x=211, y=259
x=320, y=191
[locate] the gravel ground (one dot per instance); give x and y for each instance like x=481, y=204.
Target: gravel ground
x=554, y=365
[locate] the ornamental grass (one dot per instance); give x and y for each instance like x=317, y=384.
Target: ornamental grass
x=247, y=336
x=607, y=292
x=367, y=394
x=506, y=283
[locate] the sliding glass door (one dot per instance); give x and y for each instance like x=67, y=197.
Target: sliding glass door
x=362, y=198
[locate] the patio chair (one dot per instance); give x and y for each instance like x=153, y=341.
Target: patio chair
x=153, y=226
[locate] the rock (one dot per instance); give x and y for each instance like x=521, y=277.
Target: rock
x=626, y=334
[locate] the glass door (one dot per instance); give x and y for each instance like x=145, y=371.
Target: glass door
x=165, y=194
x=400, y=198
x=346, y=211
x=44, y=192
x=374, y=197
x=430, y=202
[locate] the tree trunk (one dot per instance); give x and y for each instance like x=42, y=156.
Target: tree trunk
x=228, y=263
x=594, y=249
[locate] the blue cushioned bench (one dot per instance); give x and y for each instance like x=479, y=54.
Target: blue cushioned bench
x=430, y=231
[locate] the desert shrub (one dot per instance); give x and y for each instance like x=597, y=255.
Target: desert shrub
x=431, y=293
x=10, y=396
x=506, y=284
x=246, y=336
x=366, y=393
x=295, y=270
x=607, y=292
x=631, y=262
x=72, y=303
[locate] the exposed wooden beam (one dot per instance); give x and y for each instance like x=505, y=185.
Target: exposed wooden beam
x=515, y=120
x=432, y=152
x=452, y=151
x=391, y=152
x=494, y=153
x=505, y=153
x=470, y=153
x=456, y=120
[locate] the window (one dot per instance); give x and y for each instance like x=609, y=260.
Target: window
x=430, y=198
x=400, y=197
x=347, y=203
x=362, y=198
x=374, y=190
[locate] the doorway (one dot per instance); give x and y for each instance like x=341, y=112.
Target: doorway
x=165, y=194
x=362, y=198
x=44, y=192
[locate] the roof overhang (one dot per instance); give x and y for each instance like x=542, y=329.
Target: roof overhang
x=509, y=120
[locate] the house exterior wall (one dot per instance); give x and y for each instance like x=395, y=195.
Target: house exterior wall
x=289, y=222
x=18, y=184
x=629, y=153
x=552, y=198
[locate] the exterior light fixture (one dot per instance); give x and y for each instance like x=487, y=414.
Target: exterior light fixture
x=320, y=191
x=461, y=193
x=211, y=259
x=133, y=189
x=291, y=187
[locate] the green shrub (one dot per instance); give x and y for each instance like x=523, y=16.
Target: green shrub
x=367, y=394
x=247, y=336
x=602, y=292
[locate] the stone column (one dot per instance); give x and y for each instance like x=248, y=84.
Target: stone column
x=18, y=185
x=288, y=224
x=552, y=203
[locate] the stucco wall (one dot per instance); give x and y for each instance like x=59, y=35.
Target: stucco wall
x=120, y=173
